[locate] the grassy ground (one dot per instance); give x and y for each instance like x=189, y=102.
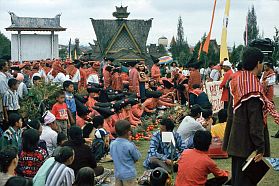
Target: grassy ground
x=271, y=178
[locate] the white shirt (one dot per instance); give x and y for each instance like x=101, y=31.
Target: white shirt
x=22, y=90
x=50, y=137
x=93, y=78
x=215, y=75
x=188, y=127
x=4, y=77
x=76, y=78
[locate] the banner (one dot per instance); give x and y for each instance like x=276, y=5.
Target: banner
x=224, y=47
x=207, y=41
x=214, y=93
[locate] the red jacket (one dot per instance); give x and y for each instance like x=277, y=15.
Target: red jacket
x=225, y=93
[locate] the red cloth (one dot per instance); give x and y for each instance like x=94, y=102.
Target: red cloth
x=60, y=111
x=225, y=93
x=155, y=73
x=117, y=83
x=195, y=78
x=90, y=102
x=193, y=168
x=83, y=78
x=269, y=90
x=245, y=86
x=134, y=80
x=108, y=125
x=107, y=78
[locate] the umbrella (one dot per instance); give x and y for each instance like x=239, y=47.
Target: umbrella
x=165, y=60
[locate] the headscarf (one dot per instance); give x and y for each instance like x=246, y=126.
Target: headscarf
x=48, y=118
x=56, y=68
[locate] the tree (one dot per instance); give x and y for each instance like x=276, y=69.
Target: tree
x=275, y=55
x=252, y=27
x=235, y=56
x=5, y=46
x=63, y=53
x=179, y=47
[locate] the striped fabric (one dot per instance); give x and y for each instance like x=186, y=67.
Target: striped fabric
x=60, y=175
x=245, y=86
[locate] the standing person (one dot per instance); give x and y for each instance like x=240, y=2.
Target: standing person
x=195, y=76
x=134, y=78
x=60, y=111
x=155, y=70
x=107, y=73
x=224, y=84
x=246, y=130
x=4, y=77
x=70, y=100
x=11, y=99
x=74, y=73
x=124, y=154
x=268, y=80
x=195, y=165
x=12, y=136
x=142, y=80
x=22, y=88
x=215, y=73
x=8, y=163
x=117, y=82
x=32, y=156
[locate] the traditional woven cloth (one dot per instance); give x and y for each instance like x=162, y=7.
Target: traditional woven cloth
x=245, y=86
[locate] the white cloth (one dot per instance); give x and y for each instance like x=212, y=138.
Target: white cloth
x=50, y=137
x=60, y=78
x=93, y=78
x=270, y=80
x=188, y=127
x=22, y=90
x=186, y=72
x=4, y=77
x=76, y=78
x=215, y=75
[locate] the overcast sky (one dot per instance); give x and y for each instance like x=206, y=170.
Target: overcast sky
x=196, y=16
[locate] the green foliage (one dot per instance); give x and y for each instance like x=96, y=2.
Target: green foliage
x=63, y=53
x=236, y=54
x=31, y=106
x=162, y=50
x=253, y=29
x=5, y=46
x=275, y=54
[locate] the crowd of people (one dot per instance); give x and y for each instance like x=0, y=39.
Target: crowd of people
x=65, y=145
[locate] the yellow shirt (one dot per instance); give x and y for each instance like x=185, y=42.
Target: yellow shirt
x=218, y=130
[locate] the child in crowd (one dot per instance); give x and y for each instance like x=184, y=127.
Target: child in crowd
x=10, y=99
x=60, y=111
x=124, y=154
x=218, y=130
x=100, y=144
x=37, y=80
x=90, y=128
x=12, y=136
x=160, y=176
x=194, y=165
x=70, y=100
x=61, y=139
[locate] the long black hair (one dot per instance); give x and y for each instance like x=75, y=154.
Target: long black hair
x=30, y=140
x=6, y=157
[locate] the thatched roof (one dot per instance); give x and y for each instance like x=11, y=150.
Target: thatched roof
x=35, y=24
x=105, y=30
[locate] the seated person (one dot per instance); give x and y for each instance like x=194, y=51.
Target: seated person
x=195, y=165
x=206, y=119
x=159, y=153
x=100, y=145
x=82, y=151
x=89, y=129
x=218, y=130
x=189, y=125
x=159, y=176
x=197, y=96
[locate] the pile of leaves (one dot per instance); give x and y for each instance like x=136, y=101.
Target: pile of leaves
x=39, y=99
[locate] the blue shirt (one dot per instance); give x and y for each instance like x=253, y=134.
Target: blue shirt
x=70, y=101
x=161, y=150
x=124, y=154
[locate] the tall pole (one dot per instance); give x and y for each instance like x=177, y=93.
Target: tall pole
x=19, y=57
x=52, y=44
